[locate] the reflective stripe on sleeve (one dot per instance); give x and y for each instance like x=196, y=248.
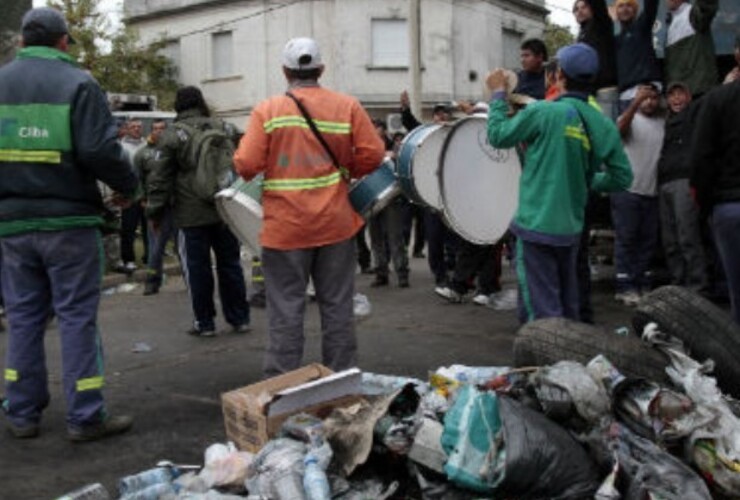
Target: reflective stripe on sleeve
x=578, y=133
x=88, y=384
x=300, y=184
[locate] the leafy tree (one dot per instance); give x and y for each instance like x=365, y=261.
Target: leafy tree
x=10, y=22
x=556, y=36
x=117, y=58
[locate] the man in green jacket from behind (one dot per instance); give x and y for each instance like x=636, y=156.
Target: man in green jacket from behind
x=567, y=142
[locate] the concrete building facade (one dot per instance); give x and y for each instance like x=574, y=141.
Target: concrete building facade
x=232, y=48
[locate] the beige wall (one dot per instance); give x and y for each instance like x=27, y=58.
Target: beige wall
x=458, y=37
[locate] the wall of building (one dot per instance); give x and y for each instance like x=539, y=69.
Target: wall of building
x=461, y=40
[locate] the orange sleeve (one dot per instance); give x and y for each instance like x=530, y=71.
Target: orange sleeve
x=368, y=148
x=250, y=158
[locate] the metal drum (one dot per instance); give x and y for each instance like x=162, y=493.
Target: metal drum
x=240, y=207
x=375, y=191
x=418, y=164
x=479, y=183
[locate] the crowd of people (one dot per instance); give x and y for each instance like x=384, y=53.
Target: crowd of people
x=595, y=122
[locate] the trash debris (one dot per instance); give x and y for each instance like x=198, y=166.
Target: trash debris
x=559, y=432
x=225, y=465
x=95, y=491
x=141, y=347
x=362, y=307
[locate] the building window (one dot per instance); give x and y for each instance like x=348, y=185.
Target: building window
x=390, y=43
x=512, y=41
x=172, y=52
x=222, y=54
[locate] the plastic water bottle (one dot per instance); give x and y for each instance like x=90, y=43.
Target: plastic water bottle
x=143, y=480
x=95, y=491
x=315, y=483
x=153, y=492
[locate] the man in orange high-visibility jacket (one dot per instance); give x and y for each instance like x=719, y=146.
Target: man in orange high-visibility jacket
x=308, y=220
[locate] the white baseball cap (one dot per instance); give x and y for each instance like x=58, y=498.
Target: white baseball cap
x=302, y=53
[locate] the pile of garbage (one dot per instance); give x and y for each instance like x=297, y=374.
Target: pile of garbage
x=564, y=431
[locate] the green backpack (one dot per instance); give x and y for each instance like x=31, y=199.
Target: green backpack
x=211, y=154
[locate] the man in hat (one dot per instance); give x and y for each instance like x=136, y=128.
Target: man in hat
x=637, y=63
x=567, y=141
x=715, y=160
x=309, y=223
x=635, y=211
x=57, y=137
x=172, y=182
x=679, y=216
x=689, y=46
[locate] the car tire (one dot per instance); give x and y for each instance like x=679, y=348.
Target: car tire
x=706, y=330
x=547, y=341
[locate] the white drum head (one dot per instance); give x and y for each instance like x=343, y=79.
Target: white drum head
x=425, y=166
x=479, y=184
x=243, y=215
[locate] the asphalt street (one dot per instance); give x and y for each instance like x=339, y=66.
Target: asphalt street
x=171, y=382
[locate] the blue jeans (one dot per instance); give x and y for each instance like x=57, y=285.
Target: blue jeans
x=195, y=248
x=158, y=244
x=57, y=271
x=635, y=220
x=726, y=229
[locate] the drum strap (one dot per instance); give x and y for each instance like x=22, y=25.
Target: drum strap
x=316, y=132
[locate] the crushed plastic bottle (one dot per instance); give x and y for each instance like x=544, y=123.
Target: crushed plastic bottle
x=152, y=492
x=136, y=483
x=315, y=483
x=95, y=491
x=362, y=307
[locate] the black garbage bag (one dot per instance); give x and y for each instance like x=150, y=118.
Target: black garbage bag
x=646, y=471
x=542, y=459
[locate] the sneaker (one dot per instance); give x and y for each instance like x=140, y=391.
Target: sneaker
x=243, y=328
x=481, y=299
x=110, y=427
x=28, y=431
x=630, y=298
x=202, y=332
x=449, y=294
x=379, y=281
x=151, y=289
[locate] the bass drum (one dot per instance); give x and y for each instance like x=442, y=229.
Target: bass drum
x=240, y=207
x=479, y=183
x=418, y=164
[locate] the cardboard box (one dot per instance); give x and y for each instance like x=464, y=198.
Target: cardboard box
x=253, y=414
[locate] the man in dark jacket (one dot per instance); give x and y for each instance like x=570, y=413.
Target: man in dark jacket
x=679, y=215
x=636, y=60
x=57, y=138
x=597, y=30
x=715, y=159
x=689, y=46
x=172, y=183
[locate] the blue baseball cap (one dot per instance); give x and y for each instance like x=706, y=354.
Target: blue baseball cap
x=579, y=61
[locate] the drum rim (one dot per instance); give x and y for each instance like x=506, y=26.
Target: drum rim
x=447, y=217
x=417, y=198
